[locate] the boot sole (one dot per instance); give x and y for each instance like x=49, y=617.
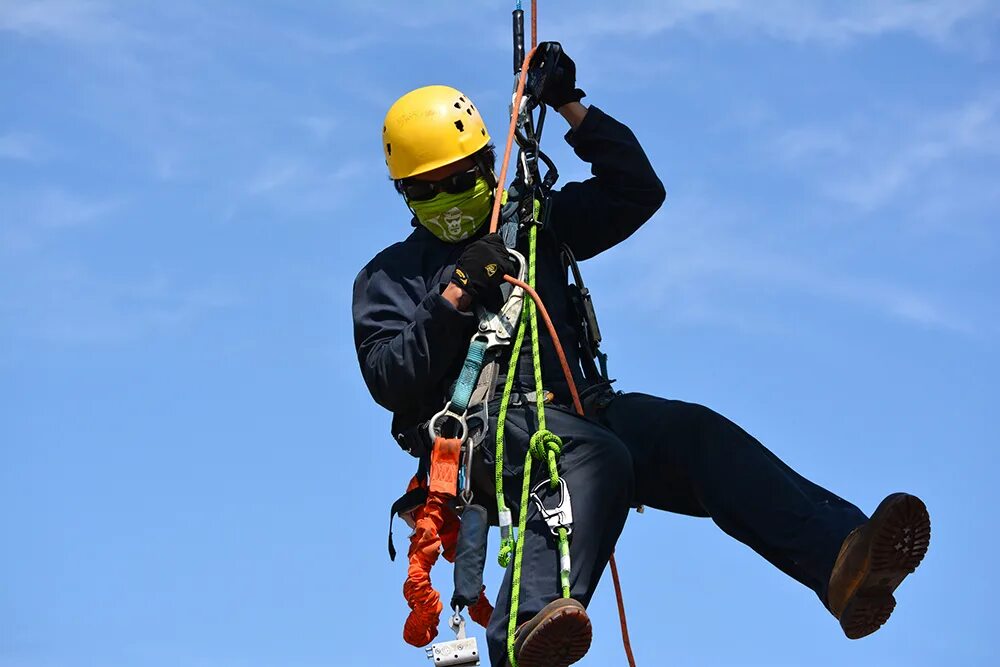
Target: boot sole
x=558, y=640
x=897, y=547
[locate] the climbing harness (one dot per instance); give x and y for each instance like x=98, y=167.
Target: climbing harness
x=438, y=492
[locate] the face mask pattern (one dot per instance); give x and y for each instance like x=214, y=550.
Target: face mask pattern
x=454, y=218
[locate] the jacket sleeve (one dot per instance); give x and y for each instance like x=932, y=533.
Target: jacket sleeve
x=625, y=192
x=406, y=341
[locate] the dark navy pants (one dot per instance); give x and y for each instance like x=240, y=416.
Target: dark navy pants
x=668, y=455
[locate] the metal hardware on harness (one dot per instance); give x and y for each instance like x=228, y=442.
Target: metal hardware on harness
x=433, y=426
x=477, y=421
x=583, y=304
x=498, y=329
x=460, y=652
x=561, y=516
x=481, y=422
x=457, y=624
x=525, y=170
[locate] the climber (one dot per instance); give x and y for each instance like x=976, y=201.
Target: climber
x=412, y=308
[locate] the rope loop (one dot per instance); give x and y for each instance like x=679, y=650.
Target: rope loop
x=506, y=549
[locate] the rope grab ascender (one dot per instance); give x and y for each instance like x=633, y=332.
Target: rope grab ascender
x=438, y=493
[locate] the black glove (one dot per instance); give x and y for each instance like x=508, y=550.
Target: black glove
x=558, y=86
x=480, y=270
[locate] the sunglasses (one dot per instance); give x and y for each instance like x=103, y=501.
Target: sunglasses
x=456, y=183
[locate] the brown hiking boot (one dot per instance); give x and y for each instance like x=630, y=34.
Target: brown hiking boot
x=874, y=559
x=557, y=636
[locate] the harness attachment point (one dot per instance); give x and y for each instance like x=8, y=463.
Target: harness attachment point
x=460, y=652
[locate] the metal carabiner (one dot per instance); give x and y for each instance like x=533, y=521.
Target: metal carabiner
x=561, y=516
x=477, y=421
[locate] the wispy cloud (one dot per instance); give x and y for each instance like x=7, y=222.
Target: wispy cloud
x=23, y=147
x=300, y=185
x=830, y=22
x=320, y=127
x=55, y=208
x=321, y=44
x=71, y=305
x=82, y=21
x=30, y=220
x=707, y=266
x=59, y=209
x=274, y=176
x=872, y=162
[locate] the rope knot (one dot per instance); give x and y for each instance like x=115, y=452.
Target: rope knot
x=547, y=446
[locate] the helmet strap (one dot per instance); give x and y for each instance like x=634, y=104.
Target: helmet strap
x=485, y=169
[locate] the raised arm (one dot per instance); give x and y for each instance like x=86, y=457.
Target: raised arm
x=624, y=192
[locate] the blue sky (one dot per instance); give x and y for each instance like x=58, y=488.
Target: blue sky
x=191, y=470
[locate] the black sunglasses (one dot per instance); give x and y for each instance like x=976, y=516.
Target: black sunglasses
x=456, y=183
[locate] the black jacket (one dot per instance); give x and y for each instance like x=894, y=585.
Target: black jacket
x=411, y=342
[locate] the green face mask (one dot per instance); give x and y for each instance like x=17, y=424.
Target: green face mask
x=454, y=218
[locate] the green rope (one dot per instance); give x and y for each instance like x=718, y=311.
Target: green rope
x=564, y=562
x=544, y=446
x=536, y=354
x=515, y=581
x=506, y=540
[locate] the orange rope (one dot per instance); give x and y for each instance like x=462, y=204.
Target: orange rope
x=432, y=520
x=495, y=216
x=621, y=611
x=435, y=532
x=534, y=23
x=555, y=339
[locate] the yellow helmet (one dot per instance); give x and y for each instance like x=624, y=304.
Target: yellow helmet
x=428, y=128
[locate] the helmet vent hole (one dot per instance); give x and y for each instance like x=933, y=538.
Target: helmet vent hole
x=482, y=131
x=388, y=149
x=462, y=99
x=458, y=124
x=468, y=111
x=457, y=105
